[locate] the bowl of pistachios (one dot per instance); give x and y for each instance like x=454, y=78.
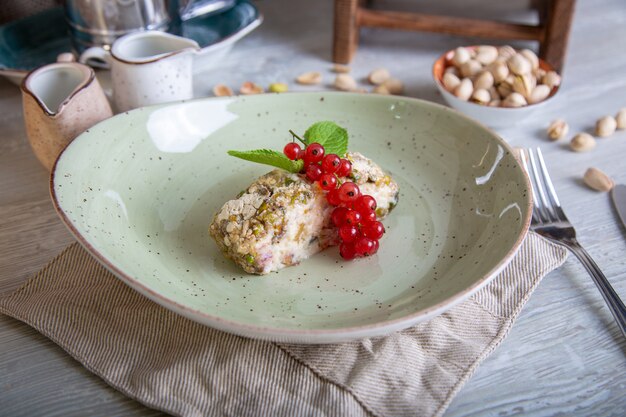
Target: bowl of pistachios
x=498, y=86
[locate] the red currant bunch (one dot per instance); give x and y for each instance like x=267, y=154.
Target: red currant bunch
x=354, y=215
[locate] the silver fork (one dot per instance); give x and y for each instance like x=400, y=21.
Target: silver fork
x=550, y=221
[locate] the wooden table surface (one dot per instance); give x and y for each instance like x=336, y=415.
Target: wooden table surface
x=563, y=356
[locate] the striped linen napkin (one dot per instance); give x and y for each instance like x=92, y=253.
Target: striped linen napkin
x=170, y=363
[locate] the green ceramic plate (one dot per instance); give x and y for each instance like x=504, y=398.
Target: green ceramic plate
x=140, y=189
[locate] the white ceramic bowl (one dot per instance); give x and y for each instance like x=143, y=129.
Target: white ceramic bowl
x=496, y=117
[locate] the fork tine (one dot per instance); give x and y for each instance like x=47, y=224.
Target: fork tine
x=554, y=197
x=523, y=152
x=544, y=203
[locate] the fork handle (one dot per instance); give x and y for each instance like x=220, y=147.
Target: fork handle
x=608, y=293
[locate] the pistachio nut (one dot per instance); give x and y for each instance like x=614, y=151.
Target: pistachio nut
x=620, y=118
x=557, y=129
x=470, y=68
x=605, y=126
x=499, y=70
x=344, y=82
x=551, y=79
x=524, y=84
x=539, y=74
x=495, y=103
x=539, y=93
x=378, y=76
x=461, y=56
x=394, y=86
x=484, y=80
x=531, y=57
x=506, y=52
x=582, y=142
x=514, y=100
x=341, y=69
x=504, y=89
x=381, y=89
x=598, y=180
x=486, y=54
x=309, y=78
x=222, y=90
x=249, y=88
x=278, y=87
x=481, y=96
x=518, y=64
x=464, y=90
x=450, y=81
x=452, y=70
x=493, y=93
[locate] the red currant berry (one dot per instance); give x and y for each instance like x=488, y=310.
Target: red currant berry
x=353, y=217
x=328, y=182
x=347, y=251
x=330, y=163
x=313, y=153
x=368, y=216
x=365, y=203
x=349, y=192
x=348, y=233
x=338, y=216
x=373, y=230
x=333, y=197
x=345, y=168
x=364, y=246
x=292, y=150
x=313, y=172
x=376, y=246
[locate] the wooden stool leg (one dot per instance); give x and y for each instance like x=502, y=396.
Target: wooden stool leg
x=346, y=32
x=557, y=27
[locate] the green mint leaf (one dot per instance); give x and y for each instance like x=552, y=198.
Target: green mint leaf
x=331, y=136
x=269, y=157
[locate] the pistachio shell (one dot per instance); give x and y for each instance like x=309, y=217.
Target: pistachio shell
x=470, y=68
x=464, y=90
x=524, y=84
x=606, y=126
x=394, y=86
x=518, y=64
x=486, y=54
x=221, y=90
x=379, y=76
x=499, y=70
x=620, y=118
x=493, y=92
x=249, y=88
x=598, y=180
x=557, y=129
x=582, y=142
x=452, y=70
x=506, y=52
x=381, y=89
x=309, y=78
x=551, y=79
x=514, y=100
x=531, y=57
x=461, y=56
x=504, y=89
x=345, y=82
x=484, y=80
x=495, y=103
x=539, y=93
x=341, y=69
x=450, y=81
x=481, y=96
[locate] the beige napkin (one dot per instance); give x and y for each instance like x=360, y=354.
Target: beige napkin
x=172, y=364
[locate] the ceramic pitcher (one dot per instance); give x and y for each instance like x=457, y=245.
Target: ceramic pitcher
x=60, y=101
x=148, y=68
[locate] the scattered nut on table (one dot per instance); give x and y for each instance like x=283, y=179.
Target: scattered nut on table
x=381, y=89
x=278, y=87
x=378, y=76
x=558, y=129
x=394, y=86
x=222, y=90
x=341, y=69
x=309, y=78
x=605, y=126
x=345, y=82
x=501, y=71
x=249, y=88
x=582, y=142
x=598, y=180
x=620, y=118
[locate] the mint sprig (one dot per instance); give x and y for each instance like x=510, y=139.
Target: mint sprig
x=331, y=136
x=269, y=157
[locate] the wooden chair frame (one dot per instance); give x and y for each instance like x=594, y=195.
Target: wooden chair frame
x=552, y=32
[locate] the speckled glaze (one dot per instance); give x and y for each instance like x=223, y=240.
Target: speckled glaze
x=140, y=189
x=60, y=101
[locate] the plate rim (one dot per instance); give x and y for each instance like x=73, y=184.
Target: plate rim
x=294, y=334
